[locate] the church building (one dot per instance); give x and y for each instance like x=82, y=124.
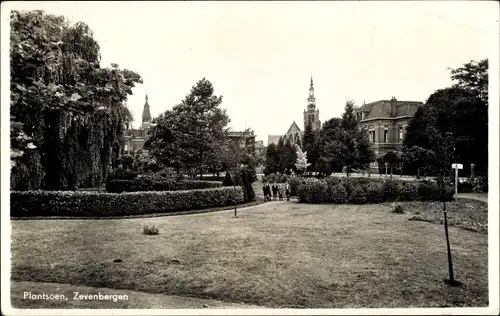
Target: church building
x=135, y=138
x=311, y=116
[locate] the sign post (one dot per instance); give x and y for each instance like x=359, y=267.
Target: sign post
x=456, y=166
x=451, y=281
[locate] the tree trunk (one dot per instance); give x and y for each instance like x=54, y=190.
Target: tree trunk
x=201, y=165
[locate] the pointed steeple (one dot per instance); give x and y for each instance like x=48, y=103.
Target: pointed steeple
x=311, y=100
x=146, y=114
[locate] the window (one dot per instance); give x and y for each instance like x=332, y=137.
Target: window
x=386, y=132
x=400, y=133
x=372, y=136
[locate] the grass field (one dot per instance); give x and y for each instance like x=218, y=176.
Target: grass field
x=274, y=255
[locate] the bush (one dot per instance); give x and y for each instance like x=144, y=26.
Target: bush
x=338, y=194
x=81, y=204
x=373, y=192
x=408, y=191
x=362, y=190
x=156, y=184
x=398, y=209
x=480, y=185
x=150, y=230
x=313, y=191
x=294, y=182
x=391, y=190
x=428, y=191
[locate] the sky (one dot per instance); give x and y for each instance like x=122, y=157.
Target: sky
x=260, y=55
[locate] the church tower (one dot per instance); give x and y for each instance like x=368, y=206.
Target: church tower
x=311, y=115
x=146, y=115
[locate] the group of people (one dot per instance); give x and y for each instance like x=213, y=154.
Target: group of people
x=276, y=191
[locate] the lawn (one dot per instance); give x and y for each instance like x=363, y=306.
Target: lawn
x=273, y=255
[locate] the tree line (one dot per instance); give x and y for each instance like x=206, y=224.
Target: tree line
x=451, y=126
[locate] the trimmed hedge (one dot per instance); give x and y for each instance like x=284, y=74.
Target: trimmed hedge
x=149, y=184
x=77, y=203
x=364, y=190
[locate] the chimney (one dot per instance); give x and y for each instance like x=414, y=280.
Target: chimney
x=393, y=106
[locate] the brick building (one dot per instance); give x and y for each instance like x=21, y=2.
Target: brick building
x=386, y=122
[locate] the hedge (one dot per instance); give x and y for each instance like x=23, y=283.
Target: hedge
x=167, y=184
x=364, y=190
x=94, y=204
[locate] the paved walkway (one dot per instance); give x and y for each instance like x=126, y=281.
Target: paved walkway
x=474, y=196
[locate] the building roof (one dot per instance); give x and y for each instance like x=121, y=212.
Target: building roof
x=382, y=109
x=294, y=128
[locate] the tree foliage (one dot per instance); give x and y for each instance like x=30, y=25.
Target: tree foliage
x=191, y=134
x=301, y=164
x=473, y=77
x=463, y=116
x=71, y=108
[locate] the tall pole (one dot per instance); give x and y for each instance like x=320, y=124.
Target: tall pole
x=456, y=182
x=450, y=262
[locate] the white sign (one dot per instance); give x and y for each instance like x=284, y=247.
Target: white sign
x=457, y=166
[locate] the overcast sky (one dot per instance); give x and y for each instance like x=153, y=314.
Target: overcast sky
x=260, y=56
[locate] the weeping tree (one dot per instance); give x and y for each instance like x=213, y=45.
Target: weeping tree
x=72, y=110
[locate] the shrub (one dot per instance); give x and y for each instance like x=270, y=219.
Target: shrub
x=150, y=229
x=428, y=191
x=391, y=190
x=156, y=184
x=313, y=191
x=358, y=195
x=480, y=185
x=79, y=203
x=373, y=193
x=398, y=209
x=409, y=191
x=294, y=182
x=332, y=181
x=338, y=194
x=348, y=185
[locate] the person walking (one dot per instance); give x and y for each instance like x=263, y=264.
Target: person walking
x=264, y=190
x=280, y=191
x=268, y=192
x=288, y=189
x=275, y=191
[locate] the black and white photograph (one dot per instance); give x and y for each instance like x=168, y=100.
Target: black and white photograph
x=250, y=158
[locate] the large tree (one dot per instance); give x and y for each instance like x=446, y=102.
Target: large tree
x=72, y=109
x=473, y=77
x=192, y=131
x=309, y=142
x=356, y=149
x=461, y=114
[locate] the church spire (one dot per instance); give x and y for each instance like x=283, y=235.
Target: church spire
x=146, y=114
x=311, y=100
